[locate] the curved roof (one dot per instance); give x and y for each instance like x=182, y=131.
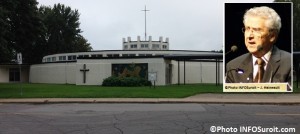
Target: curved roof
x=168, y=54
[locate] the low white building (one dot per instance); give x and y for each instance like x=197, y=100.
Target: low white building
x=91, y=68
x=166, y=70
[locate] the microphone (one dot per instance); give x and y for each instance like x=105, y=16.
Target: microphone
x=232, y=49
x=259, y=49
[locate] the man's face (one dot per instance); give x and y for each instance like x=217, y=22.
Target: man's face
x=256, y=33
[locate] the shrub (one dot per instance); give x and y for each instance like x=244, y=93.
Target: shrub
x=125, y=81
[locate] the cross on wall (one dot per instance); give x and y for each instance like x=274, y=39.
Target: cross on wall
x=84, y=70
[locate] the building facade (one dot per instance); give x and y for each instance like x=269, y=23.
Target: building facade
x=143, y=60
x=167, y=71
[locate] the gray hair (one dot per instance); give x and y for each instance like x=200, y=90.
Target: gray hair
x=273, y=19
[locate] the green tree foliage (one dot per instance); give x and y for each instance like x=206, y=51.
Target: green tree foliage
x=5, y=48
x=61, y=30
x=82, y=44
x=36, y=32
x=20, y=27
x=296, y=23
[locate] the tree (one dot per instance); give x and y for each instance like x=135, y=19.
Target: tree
x=296, y=23
x=38, y=32
x=20, y=27
x=82, y=45
x=28, y=30
x=5, y=48
x=61, y=30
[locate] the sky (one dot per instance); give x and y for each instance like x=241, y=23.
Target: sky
x=189, y=24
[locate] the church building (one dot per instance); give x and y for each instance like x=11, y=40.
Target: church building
x=149, y=59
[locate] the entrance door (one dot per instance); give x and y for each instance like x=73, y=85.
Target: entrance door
x=14, y=75
x=169, y=74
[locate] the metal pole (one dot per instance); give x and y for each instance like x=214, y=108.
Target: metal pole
x=145, y=22
x=216, y=72
x=178, y=73
x=21, y=79
x=297, y=77
x=184, y=72
x=218, y=78
x=201, y=72
x=146, y=26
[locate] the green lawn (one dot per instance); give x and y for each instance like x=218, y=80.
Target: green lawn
x=13, y=90
x=72, y=91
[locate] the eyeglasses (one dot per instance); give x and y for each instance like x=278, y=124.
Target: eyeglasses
x=255, y=31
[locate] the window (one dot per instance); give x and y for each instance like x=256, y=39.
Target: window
x=48, y=59
x=62, y=58
x=125, y=46
x=113, y=55
x=131, y=55
x=144, y=45
x=155, y=46
x=142, y=54
x=96, y=55
x=72, y=57
x=164, y=46
x=14, y=74
x=133, y=46
x=83, y=56
x=125, y=55
x=53, y=59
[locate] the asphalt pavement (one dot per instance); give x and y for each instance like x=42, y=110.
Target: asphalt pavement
x=149, y=118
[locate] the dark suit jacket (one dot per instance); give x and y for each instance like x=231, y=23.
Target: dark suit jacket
x=278, y=68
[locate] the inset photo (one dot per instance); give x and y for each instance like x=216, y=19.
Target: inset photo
x=258, y=47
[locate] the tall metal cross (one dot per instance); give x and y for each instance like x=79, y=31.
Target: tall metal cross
x=84, y=70
x=145, y=10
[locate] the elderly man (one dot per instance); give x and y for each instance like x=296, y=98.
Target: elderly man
x=265, y=62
